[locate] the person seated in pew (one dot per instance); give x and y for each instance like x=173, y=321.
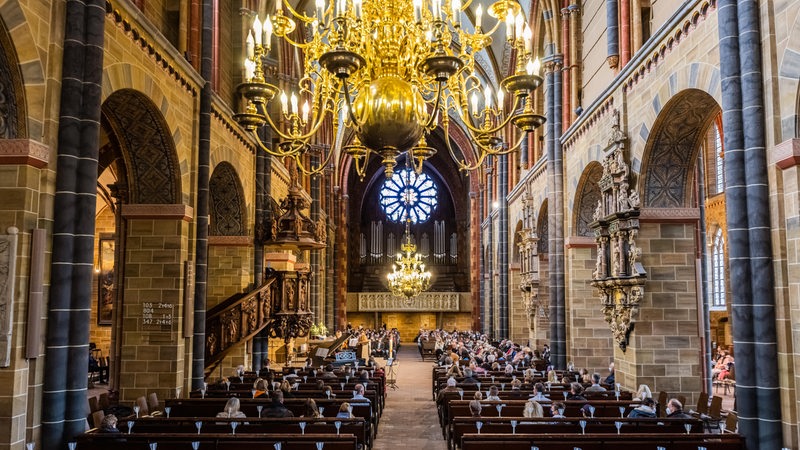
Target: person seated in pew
x=557, y=410
x=538, y=393
x=231, y=409
x=575, y=392
x=286, y=388
x=516, y=389
x=475, y=408
x=509, y=369
x=328, y=392
x=646, y=409
x=468, y=377
x=675, y=410
x=595, y=387
x=610, y=380
x=454, y=370
x=264, y=371
x=109, y=424
x=451, y=387
x=320, y=385
x=552, y=377
x=328, y=374
x=643, y=392
x=494, y=393
x=358, y=395
x=478, y=396
x=312, y=410
x=345, y=411
x=261, y=387
x=276, y=407
x=532, y=409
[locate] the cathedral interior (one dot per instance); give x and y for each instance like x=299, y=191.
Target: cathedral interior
x=191, y=186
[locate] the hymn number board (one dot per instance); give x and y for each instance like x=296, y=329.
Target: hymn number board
x=157, y=316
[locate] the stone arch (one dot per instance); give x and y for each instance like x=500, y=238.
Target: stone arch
x=671, y=150
x=586, y=197
x=789, y=81
x=227, y=208
x=542, y=230
x=147, y=146
x=13, y=124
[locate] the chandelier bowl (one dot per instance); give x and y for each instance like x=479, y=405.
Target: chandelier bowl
x=391, y=113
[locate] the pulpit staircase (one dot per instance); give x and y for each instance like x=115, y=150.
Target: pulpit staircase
x=237, y=320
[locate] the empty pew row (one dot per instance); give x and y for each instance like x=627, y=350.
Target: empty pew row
x=208, y=441
x=602, y=441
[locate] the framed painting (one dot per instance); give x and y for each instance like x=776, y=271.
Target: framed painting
x=106, y=281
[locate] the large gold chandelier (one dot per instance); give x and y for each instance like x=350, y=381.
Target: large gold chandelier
x=392, y=71
x=408, y=277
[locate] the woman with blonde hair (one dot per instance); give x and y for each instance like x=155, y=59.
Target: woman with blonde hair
x=643, y=392
x=231, y=409
x=532, y=410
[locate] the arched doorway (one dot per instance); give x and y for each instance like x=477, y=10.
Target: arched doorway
x=141, y=238
x=673, y=315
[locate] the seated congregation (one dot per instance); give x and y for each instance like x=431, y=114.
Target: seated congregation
x=503, y=395
x=486, y=394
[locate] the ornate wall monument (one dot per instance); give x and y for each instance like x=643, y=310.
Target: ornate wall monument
x=618, y=275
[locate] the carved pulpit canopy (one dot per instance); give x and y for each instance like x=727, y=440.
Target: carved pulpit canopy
x=618, y=274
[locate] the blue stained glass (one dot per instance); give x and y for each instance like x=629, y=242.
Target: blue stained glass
x=408, y=195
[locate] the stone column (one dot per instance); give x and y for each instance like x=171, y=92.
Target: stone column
x=502, y=245
x=153, y=350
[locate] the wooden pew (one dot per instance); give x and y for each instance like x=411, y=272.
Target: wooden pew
x=467, y=425
x=602, y=441
x=251, y=441
x=357, y=427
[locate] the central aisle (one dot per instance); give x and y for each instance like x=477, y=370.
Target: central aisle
x=409, y=417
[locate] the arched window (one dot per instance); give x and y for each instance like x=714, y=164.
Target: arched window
x=408, y=195
x=720, y=166
x=718, y=270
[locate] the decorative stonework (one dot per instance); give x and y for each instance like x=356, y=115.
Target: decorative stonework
x=529, y=264
x=588, y=198
x=618, y=275
x=24, y=151
x=426, y=301
x=674, y=147
x=150, y=153
x=227, y=205
x=8, y=272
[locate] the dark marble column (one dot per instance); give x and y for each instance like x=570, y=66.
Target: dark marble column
x=612, y=32
x=316, y=255
x=68, y=315
x=201, y=210
x=490, y=326
x=748, y=222
x=502, y=245
x=555, y=183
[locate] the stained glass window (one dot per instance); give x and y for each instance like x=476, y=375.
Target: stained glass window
x=407, y=194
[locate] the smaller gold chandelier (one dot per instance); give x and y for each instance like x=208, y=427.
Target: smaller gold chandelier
x=409, y=276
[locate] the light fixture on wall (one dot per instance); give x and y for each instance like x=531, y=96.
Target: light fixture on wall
x=391, y=72
x=408, y=277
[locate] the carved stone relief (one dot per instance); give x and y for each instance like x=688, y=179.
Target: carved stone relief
x=227, y=205
x=8, y=102
x=8, y=272
x=618, y=275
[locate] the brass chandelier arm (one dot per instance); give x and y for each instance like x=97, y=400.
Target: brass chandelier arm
x=349, y=103
x=466, y=117
x=462, y=164
x=263, y=147
x=297, y=137
x=303, y=17
x=314, y=170
x=435, y=114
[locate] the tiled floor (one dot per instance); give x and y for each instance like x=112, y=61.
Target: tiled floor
x=409, y=419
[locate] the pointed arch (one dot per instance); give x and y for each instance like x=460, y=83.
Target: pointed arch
x=671, y=150
x=13, y=124
x=147, y=145
x=228, y=212
x=586, y=197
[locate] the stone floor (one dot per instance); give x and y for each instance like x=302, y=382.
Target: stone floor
x=409, y=419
